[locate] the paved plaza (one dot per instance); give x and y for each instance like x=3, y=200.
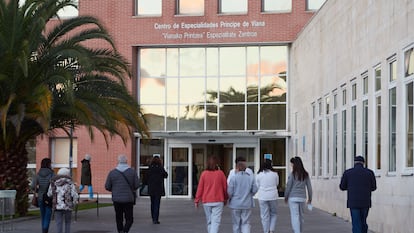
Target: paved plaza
x=180, y=216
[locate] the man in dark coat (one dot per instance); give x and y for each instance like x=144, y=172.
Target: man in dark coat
x=156, y=175
x=86, y=175
x=359, y=182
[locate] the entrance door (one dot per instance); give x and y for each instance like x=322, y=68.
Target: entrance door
x=179, y=170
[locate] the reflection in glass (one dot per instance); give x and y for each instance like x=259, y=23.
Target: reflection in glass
x=192, y=90
x=378, y=132
x=409, y=62
x=232, y=117
x=172, y=90
x=235, y=88
x=273, y=117
x=149, y=7
x=232, y=61
x=393, y=130
x=211, y=117
x=154, y=114
x=233, y=6
x=273, y=60
x=212, y=61
x=252, y=117
x=172, y=116
x=190, y=7
x=377, y=78
x=273, y=89
x=152, y=90
x=251, y=74
x=279, y=5
x=192, y=62
x=152, y=62
x=191, y=118
x=172, y=61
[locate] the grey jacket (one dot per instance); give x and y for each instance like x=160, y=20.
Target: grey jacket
x=116, y=183
x=297, y=188
x=241, y=189
x=41, y=181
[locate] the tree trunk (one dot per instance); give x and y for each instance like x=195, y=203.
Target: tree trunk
x=13, y=176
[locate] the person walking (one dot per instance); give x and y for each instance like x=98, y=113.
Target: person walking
x=122, y=182
x=267, y=181
x=65, y=197
x=212, y=192
x=86, y=175
x=40, y=185
x=295, y=193
x=241, y=189
x=359, y=182
x=156, y=175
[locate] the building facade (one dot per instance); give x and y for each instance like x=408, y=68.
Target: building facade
x=212, y=78
x=359, y=57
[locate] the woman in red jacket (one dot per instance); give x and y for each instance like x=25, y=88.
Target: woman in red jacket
x=212, y=192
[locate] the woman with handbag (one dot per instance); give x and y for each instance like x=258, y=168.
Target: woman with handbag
x=40, y=186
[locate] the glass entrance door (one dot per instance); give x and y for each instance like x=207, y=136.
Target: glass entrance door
x=248, y=154
x=179, y=170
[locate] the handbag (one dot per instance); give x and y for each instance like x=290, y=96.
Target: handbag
x=48, y=201
x=35, y=202
x=134, y=192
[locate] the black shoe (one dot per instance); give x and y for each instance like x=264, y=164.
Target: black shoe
x=157, y=222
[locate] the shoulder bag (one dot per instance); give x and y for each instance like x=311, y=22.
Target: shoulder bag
x=134, y=193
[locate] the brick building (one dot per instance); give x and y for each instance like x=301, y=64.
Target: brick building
x=212, y=78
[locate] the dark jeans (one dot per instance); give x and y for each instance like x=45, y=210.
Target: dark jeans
x=359, y=220
x=124, y=210
x=155, y=207
x=46, y=215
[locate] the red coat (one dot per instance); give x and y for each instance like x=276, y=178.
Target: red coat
x=212, y=187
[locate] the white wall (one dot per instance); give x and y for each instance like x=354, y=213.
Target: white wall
x=343, y=40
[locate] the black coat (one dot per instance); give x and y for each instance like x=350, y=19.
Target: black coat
x=155, y=178
x=86, y=176
x=359, y=182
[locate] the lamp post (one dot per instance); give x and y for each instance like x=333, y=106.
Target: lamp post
x=71, y=148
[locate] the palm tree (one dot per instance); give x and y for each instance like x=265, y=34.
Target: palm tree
x=50, y=79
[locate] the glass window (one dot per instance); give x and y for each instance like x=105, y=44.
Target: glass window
x=232, y=117
x=327, y=144
x=354, y=91
x=320, y=141
x=233, y=6
x=181, y=88
x=377, y=78
x=60, y=152
x=152, y=90
x=392, y=130
x=378, y=132
x=273, y=116
x=149, y=7
x=335, y=145
x=192, y=62
x=335, y=101
x=314, y=5
x=365, y=130
x=409, y=62
x=353, y=131
x=409, y=122
x=365, y=84
x=313, y=148
x=344, y=97
x=232, y=61
x=344, y=140
x=393, y=71
x=327, y=104
x=190, y=7
x=278, y=5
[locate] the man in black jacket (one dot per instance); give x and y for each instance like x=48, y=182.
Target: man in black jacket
x=360, y=182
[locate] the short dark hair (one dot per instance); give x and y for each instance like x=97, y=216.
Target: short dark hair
x=240, y=159
x=46, y=163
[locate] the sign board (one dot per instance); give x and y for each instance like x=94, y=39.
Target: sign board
x=267, y=156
